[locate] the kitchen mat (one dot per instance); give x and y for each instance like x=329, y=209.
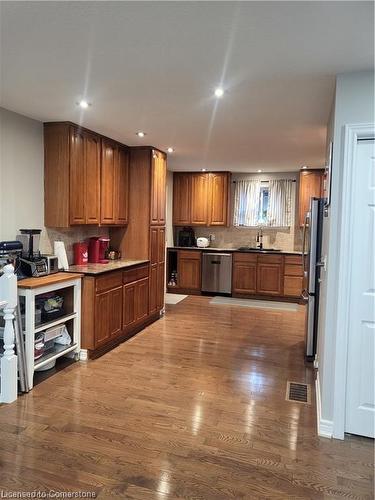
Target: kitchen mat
x=258, y=304
x=174, y=298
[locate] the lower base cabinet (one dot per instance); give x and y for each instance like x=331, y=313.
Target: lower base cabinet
x=189, y=270
x=115, y=305
x=108, y=315
x=135, y=303
x=267, y=275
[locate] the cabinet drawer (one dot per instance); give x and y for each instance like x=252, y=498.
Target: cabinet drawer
x=293, y=259
x=108, y=281
x=189, y=254
x=293, y=270
x=135, y=274
x=270, y=259
x=245, y=257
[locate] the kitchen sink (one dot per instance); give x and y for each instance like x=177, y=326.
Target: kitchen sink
x=254, y=249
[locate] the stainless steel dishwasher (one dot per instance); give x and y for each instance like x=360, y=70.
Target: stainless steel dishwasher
x=216, y=272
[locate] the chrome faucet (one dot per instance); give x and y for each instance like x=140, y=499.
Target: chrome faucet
x=260, y=239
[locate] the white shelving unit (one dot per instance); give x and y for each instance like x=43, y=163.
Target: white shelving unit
x=70, y=286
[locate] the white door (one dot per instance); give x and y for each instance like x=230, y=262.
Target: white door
x=360, y=387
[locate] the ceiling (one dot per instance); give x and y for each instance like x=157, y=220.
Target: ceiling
x=153, y=66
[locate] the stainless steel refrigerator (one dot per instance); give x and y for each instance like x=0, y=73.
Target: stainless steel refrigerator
x=311, y=250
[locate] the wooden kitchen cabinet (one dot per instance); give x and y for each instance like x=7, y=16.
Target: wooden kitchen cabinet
x=218, y=208
x=158, y=187
x=135, y=305
x=201, y=199
x=84, y=177
x=270, y=275
x=181, y=199
x=189, y=270
x=108, y=316
x=293, y=276
x=114, y=184
x=115, y=305
x=244, y=279
x=157, y=269
x=310, y=185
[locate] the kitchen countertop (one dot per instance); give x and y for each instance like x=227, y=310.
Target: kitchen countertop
x=214, y=249
x=112, y=265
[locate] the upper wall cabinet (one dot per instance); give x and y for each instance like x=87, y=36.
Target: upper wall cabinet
x=114, y=183
x=158, y=180
x=201, y=199
x=310, y=186
x=85, y=177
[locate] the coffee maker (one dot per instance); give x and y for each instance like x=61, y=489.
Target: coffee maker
x=31, y=262
x=97, y=250
x=186, y=237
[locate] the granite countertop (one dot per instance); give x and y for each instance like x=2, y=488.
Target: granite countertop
x=112, y=265
x=215, y=249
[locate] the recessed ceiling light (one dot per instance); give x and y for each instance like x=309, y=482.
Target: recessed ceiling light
x=203, y=169
x=259, y=170
x=141, y=134
x=304, y=167
x=219, y=92
x=170, y=150
x=83, y=104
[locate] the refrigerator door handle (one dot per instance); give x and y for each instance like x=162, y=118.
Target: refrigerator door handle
x=304, y=242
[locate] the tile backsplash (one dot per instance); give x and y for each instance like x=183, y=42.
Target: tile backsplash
x=69, y=236
x=234, y=237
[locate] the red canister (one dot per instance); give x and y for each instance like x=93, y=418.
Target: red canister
x=81, y=255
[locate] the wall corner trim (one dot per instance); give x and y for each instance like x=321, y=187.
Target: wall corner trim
x=324, y=427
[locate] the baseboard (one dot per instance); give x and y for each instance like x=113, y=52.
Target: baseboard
x=324, y=427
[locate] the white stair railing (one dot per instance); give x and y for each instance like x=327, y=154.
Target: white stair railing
x=8, y=363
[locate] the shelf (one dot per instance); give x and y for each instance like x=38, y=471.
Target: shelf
x=59, y=350
x=50, y=324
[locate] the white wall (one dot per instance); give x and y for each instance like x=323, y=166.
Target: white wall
x=21, y=174
x=354, y=103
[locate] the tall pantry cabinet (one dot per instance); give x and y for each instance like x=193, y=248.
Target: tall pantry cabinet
x=144, y=236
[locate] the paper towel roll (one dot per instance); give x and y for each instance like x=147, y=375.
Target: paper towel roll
x=60, y=252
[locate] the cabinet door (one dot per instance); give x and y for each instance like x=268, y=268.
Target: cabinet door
x=161, y=245
x=245, y=277
x=199, y=199
x=270, y=275
x=157, y=244
x=219, y=197
x=108, y=182
x=153, y=288
x=129, y=300
x=181, y=199
x=92, y=179
x=189, y=270
x=160, y=286
x=108, y=315
x=142, y=298
x=162, y=168
x=115, y=320
x=122, y=186
x=77, y=182
x=154, y=245
x=158, y=173
x=310, y=185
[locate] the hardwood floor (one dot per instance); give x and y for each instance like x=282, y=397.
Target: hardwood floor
x=193, y=407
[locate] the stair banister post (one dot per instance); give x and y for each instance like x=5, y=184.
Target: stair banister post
x=8, y=293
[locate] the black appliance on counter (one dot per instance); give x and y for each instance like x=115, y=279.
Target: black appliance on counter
x=31, y=262
x=186, y=237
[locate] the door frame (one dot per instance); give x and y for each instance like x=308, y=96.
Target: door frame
x=352, y=133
